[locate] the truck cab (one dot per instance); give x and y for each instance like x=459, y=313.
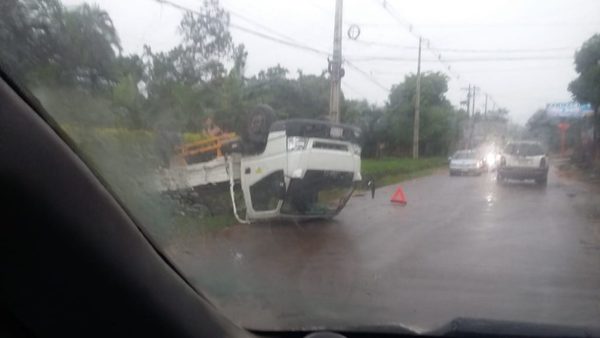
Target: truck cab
x=308, y=169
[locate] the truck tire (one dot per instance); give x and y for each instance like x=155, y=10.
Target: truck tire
x=256, y=128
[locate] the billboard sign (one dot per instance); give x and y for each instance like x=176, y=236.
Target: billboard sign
x=568, y=109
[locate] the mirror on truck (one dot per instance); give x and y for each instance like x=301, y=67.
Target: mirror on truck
x=371, y=186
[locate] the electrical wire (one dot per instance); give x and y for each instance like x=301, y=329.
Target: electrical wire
x=454, y=60
x=251, y=31
x=367, y=76
x=467, y=50
x=428, y=45
x=279, y=40
x=260, y=25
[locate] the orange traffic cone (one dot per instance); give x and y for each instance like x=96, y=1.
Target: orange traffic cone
x=399, y=197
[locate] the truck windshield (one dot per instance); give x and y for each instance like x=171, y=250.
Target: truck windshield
x=319, y=193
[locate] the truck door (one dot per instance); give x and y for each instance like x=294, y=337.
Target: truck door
x=263, y=178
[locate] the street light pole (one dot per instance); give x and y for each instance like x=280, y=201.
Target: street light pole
x=335, y=66
x=417, y=107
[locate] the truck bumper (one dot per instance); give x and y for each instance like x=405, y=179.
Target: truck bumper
x=518, y=173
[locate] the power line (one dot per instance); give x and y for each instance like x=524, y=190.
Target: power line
x=517, y=69
x=388, y=8
x=328, y=13
x=531, y=50
x=367, y=76
x=411, y=29
x=379, y=43
x=454, y=60
x=259, y=25
x=251, y=31
x=466, y=50
x=278, y=40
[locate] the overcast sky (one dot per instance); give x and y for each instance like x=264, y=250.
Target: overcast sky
x=520, y=52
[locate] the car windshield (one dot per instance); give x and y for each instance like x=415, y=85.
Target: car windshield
x=464, y=155
x=297, y=160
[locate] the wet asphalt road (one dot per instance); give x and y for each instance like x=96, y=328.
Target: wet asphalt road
x=462, y=247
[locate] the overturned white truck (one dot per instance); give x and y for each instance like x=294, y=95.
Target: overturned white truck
x=296, y=168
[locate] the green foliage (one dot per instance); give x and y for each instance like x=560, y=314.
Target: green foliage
x=306, y=96
x=71, y=105
x=439, y=123
x=29, y=29
x=586, y=87
x=392, y=169
x=370, y=119
x=50, y=44
x=72, y=58
x=127, y=161
x=544, y=128
x=392, y=165
x=87, y=43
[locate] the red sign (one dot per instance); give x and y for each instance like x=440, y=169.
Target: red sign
x=563, y=126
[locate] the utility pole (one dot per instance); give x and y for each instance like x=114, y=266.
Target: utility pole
x=335, y=66
x=417, y=107
x=469, y=101
x=475, y=89
x=485, y=110
x=472, y=118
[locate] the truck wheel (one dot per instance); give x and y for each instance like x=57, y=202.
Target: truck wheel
x=257, y=125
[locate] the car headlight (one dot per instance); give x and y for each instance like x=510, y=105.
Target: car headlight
x=356, y=149
x=490, y=159
x=296, y=143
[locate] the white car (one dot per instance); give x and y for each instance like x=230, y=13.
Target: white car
x=523, y=160
x=466, y=162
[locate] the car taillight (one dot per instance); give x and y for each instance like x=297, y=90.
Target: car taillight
x=502, y=161
x=543, y=162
